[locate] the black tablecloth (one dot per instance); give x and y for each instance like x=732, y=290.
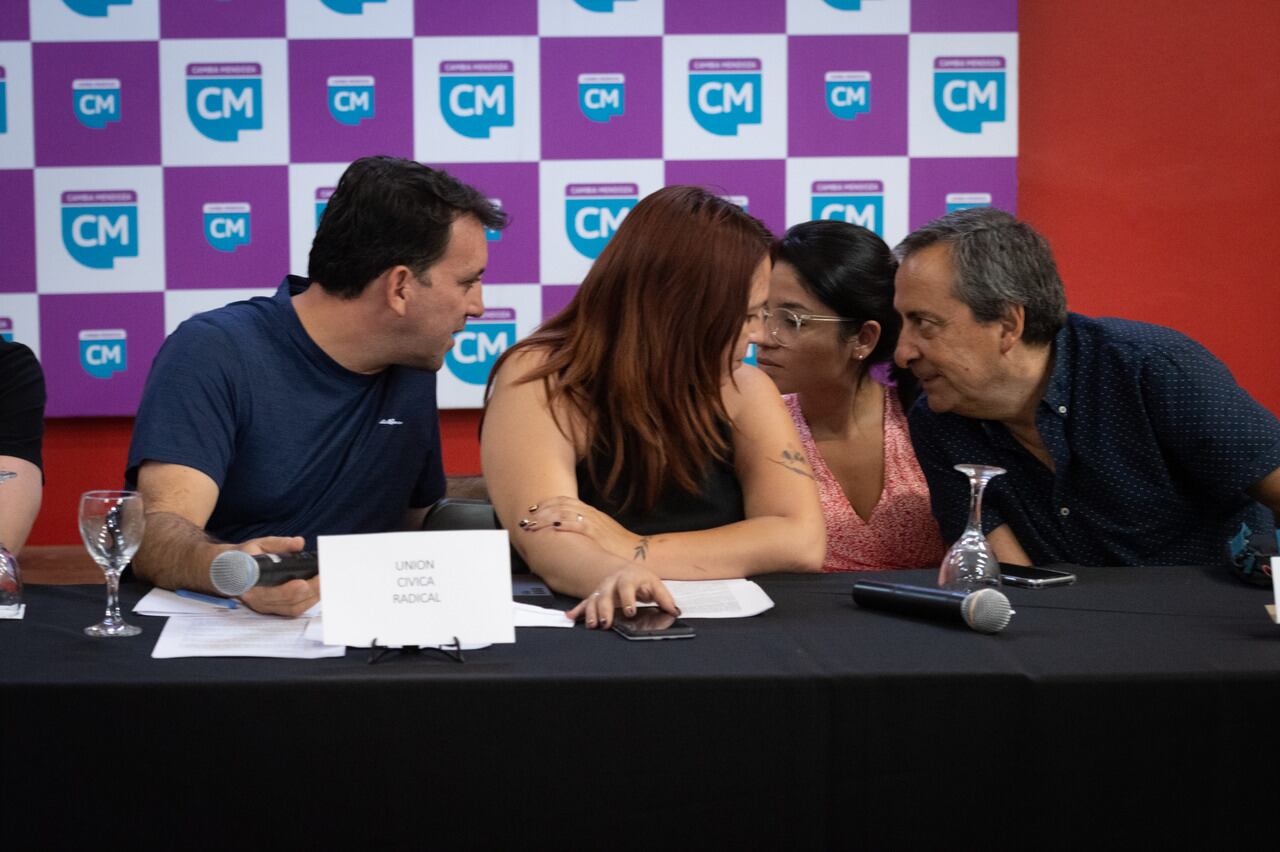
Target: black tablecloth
x=1136, y=706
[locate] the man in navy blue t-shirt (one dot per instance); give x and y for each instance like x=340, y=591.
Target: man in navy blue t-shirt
x=1124, y=443
x=269, y=422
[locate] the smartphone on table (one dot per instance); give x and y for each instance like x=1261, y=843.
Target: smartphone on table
x=650, y=622
x=1032, y=577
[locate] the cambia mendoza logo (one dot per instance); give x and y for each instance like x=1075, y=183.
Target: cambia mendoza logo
x=226, y=226
x=969, y=91
x=94, y=8
x=103, y=351
x=224, y=98
x=965, y=200
x=599, y=5
x=602, y=96
x=848, y=93
x=4, y=102
x=593, y=212
x=479, y=345
x=96, y=102
x=6, y=329
x=349, y=7
x=724, y=94
x=351, y=99
x=100, y=225
x=477, y=96
x=858, y=202
x=323, y=194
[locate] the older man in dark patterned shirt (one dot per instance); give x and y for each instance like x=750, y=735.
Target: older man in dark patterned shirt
x=1124, y=443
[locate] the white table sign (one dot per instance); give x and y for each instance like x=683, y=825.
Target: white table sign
x=416, y=588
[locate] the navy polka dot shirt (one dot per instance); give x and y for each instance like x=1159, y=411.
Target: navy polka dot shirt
x=1153, y=441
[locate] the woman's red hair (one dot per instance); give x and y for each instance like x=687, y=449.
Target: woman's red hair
x=643, y=349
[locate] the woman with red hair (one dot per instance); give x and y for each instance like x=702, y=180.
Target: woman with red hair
x=625, y=442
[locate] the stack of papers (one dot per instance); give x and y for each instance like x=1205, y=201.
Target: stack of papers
x=205, y=626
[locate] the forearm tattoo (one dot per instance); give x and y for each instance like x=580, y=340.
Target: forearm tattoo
x=795, y=462
x=641, y=549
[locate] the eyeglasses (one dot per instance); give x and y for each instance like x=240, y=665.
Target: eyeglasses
x=784, y=325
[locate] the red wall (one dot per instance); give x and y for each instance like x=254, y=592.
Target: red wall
x=1150, y=158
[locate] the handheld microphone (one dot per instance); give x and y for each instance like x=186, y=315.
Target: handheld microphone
x=234, y=572
x=986, y=610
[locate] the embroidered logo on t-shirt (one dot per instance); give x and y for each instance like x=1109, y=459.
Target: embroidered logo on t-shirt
x=390, y=421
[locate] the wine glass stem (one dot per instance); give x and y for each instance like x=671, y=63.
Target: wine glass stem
x=113, y=597
x=976, y=486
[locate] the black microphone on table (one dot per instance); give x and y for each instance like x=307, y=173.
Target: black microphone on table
x=986, y=610
x=234, y=572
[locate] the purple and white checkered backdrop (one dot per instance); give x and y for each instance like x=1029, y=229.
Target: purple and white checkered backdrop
x=163, y=157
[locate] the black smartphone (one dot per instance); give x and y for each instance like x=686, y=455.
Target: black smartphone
x=649, y=622
x=1031, y=577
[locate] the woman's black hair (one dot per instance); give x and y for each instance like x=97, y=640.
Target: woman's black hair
x=850, y=270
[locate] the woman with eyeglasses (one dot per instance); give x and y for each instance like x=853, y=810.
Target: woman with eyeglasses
x=830, y=335
x=625, y=443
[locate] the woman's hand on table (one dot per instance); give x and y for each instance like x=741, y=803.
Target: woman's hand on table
x=622, y=590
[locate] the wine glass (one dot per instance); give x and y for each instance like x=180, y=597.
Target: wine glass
x=111, y=525
x=10, y=576
x=971, y=563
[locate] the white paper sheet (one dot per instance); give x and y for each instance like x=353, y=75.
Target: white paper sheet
x=15, y=612
x=528, y=615
x=718, y=598
x=240, y=633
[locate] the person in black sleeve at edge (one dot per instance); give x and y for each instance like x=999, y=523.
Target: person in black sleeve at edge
x=1125, y=443
x=271, y=421
x=22, y=399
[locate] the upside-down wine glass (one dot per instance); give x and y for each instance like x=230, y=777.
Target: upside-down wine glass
x=971, y=563
x=111, y=525
x=10, y=575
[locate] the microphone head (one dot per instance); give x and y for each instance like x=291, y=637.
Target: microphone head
x=233, y=572
x=986, y=611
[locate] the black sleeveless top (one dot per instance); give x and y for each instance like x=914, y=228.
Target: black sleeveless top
x=718, y=502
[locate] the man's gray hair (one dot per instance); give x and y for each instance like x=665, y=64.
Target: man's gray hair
x=999, y=262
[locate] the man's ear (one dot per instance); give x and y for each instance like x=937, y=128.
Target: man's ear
x=1011, y=326
x=395, y=284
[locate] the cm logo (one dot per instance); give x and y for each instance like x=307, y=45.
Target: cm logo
x=96, y=233
x=226, y=226
x=856, y=202
x=601, y=96
x=598, y=5
x=848, y=93
x=969, y=91
x=103, y=351
x=94, y=8
x=96, y=102
x=223, y=100
x=351, y=99
x=477, y=347
x=349, y=7
x=591, y=220
x=476, y=97
x=724, y=94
